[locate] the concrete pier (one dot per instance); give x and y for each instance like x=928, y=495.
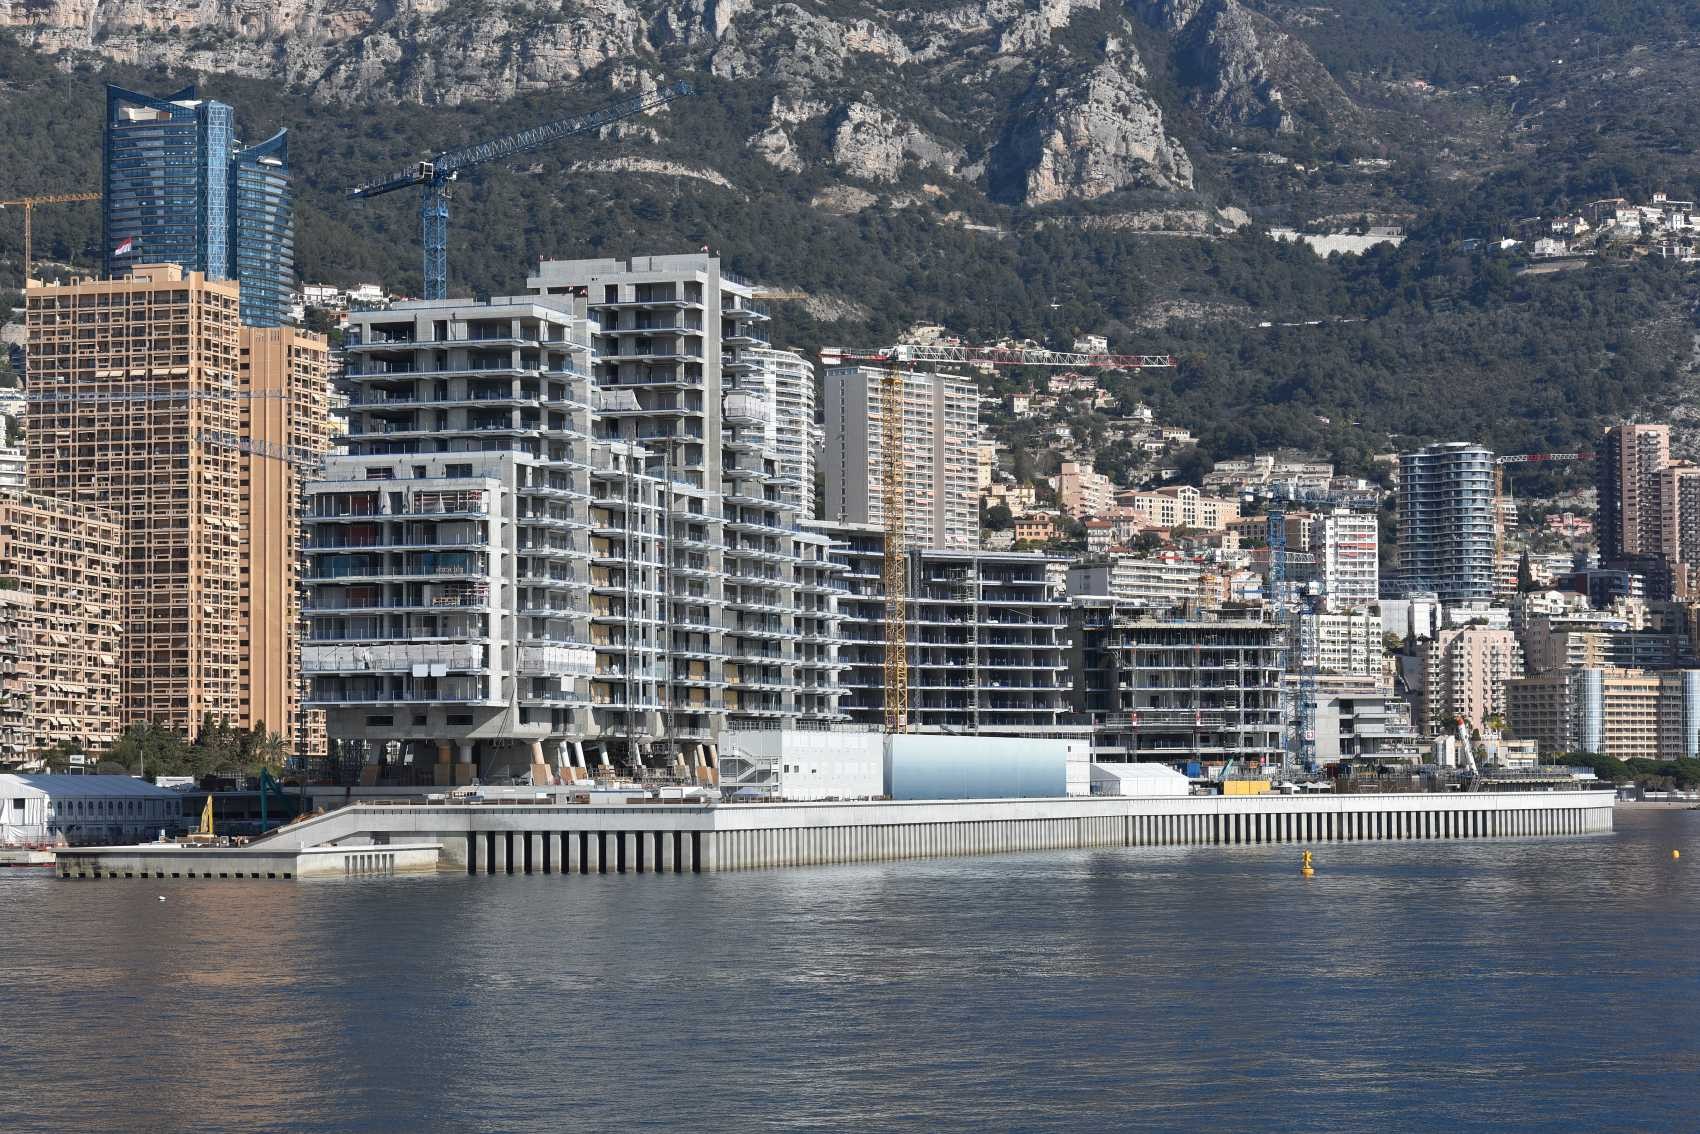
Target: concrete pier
x=153, y=860
x=574, y=840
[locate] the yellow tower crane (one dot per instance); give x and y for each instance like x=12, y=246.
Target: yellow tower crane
x=895, y=572
x=29, y=204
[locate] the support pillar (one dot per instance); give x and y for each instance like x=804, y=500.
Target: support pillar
x=477, y=854
x=533, y=861
x=499, y=857
x=688, y=852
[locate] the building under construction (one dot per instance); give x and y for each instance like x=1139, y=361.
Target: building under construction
x=533, y=558
x=148, y=397
x=987, y=637
x=1203, y=684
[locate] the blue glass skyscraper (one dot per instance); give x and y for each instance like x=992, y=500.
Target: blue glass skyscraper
x=262, y=246
x=179, y=189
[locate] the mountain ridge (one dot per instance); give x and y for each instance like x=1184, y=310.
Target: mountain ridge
x=1039, y=168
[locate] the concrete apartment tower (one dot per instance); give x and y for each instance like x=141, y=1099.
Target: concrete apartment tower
x=789, y=380
x=531, y=559
x=449, y=553
x=1348, y=558
x=988, y=637
x=143, y=398
x=1446, y=522
x=1628, y=471
x=941, y=438
x=684, y=374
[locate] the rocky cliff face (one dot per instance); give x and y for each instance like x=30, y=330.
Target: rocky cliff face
x=875, y=95
x=1250, y=72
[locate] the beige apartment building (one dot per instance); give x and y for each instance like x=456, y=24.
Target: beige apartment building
x=1084, y=492
x=59, y=630
x=940, y=454
x=143, y=402
x=1464, y=674
x=286, y=429
x=1625, y=713
x=1182, y=507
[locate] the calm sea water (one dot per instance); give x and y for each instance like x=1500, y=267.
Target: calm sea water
x=1535, y=985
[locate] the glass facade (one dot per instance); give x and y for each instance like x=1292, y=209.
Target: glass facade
x=262, y=241
x=180, y=190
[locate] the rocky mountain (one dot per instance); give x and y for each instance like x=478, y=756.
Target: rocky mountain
x=1032, y=101
x=1006, y=167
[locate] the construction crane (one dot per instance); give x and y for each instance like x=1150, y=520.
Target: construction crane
x=433, y=175
x=1499, y=466
x=895, y=565
x=29, y=204
x=952, y=353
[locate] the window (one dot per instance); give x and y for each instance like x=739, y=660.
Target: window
x=17, y=805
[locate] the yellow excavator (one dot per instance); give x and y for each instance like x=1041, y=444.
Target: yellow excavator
x=205, y=833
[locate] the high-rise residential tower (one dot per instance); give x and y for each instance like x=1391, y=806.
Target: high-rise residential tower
x=1446, y=522
x=940, y=458
x=530, y=560
x=179, y=189
x=149, y=399
x=789, y=381
x=684, y=371
x=1629, y=467
x=262, y=245
x=285, y=432
x=1348, y=557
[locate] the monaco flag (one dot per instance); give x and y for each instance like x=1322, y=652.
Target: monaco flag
x=125, y=247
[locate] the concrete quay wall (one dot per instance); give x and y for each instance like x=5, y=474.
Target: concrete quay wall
x=794, y=835
x=664, y=839
x=640, y=839
x=150, y=860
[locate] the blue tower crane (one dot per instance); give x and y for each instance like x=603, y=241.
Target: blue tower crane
x=433, y=176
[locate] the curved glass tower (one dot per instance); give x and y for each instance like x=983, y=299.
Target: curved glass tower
x=262, y=245
x=179, y=189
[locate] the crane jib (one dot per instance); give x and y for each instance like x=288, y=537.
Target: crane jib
x=446, y=164
x=433, y=175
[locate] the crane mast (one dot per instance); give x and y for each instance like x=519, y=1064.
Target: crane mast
x=29, y=204
x=894, y=498
x=433, y=176
x=895, y=569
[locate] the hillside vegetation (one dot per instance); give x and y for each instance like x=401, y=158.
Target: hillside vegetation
x=1421, y=342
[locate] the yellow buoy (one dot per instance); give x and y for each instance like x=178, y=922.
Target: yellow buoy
x=1676, y=854
x=1305, y=868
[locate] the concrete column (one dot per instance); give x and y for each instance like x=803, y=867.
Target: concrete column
x=687, y=852
x=466, y=752
x=475, y=855
x=499, y=852
x=708, y=852
x=533, y=863
x=624, y=855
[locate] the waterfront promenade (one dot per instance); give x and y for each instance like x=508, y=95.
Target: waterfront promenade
x=662, y=838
